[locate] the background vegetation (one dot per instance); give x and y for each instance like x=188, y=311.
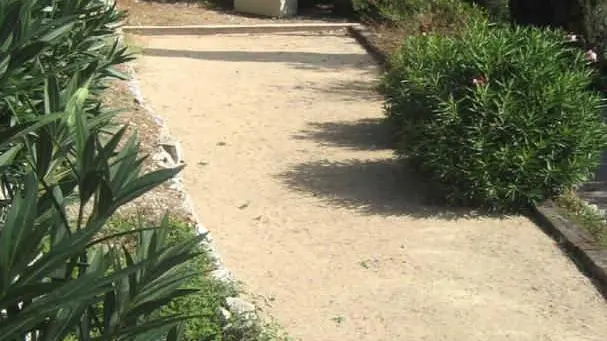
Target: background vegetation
x=498, y=117
x=466, y=73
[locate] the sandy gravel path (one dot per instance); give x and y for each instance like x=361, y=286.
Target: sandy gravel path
x=289, y=169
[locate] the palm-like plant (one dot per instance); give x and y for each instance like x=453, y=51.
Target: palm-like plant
x=59, y=278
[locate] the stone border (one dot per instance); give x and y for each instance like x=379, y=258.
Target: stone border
x=233, y=29
x=364, y=37
x=239, y=312
x=580, y=246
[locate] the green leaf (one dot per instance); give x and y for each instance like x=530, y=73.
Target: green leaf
x=56, y=33
x=12, y=134
x=44, y=153
x=7, y=157
x=4, y=64
x=145, y=184
x=52, y=96
x=16, y=231
x=26, y=54
x=117, y=235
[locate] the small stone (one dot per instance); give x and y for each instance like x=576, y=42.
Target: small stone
x=224, y=314
x=161, y=155
x=163, y=159
x=240, y=307
x=222, y=275
x=173, y=149
x=202, y=230
x=158, y=120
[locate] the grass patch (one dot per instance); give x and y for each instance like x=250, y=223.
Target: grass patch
x=587, y=216
x=211, y=293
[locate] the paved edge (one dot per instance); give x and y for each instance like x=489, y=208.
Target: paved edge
x=578, y=244
x=364, y=37
x=233, y=29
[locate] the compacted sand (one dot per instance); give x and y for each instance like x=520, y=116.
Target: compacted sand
x=289, y=168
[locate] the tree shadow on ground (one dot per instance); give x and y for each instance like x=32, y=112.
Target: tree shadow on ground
x=364, y=134
x=299, y=60
x=372, y=187
x=350, y=91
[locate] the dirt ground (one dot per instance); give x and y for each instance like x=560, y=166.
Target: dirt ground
x=165, y=198
x=288, y=166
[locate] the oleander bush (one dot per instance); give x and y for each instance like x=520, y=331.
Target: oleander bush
x=54, y=46
x=497, y=117
x=64, y=171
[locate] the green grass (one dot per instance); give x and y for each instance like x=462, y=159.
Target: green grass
x=211, y=293
x=588, y=218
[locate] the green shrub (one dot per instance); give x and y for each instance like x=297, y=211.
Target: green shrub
x=499, y=117
x=63, y=175
x=498, y=10
x=59, y=279
x=58, y=45
x=419, y=16
x=584, y=17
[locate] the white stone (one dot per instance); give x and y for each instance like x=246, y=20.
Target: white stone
x=224, y=314
x=173, y=148
x=240, y=307
x=222, y=275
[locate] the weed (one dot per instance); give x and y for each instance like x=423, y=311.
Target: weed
x=339, y=319
x=587, y=216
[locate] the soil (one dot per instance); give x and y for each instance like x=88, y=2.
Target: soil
x=142, y=12
x=289, y=168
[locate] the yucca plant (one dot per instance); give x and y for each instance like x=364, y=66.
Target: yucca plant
x=59, y=45
x=58, y=278
x=63, y=175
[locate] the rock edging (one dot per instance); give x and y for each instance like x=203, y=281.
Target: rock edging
x=234, y=29
x=236, y=311
x=363, y=35
x=579, y=245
